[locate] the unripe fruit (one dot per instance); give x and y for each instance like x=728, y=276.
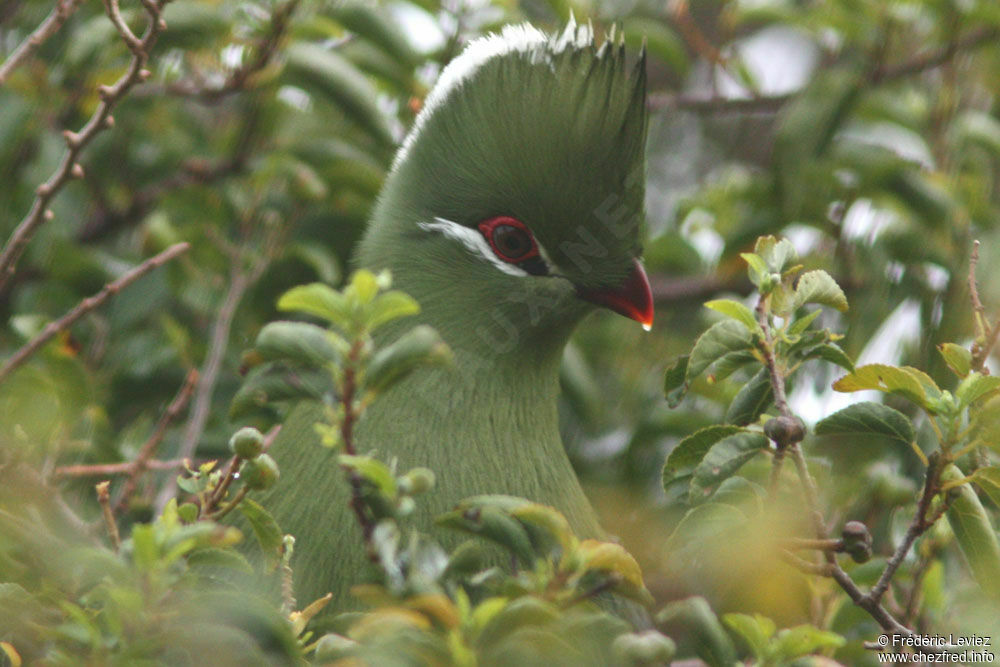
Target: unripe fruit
x=247, y=443
x=259, y=473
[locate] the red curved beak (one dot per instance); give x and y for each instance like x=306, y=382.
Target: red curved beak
x=633, y=298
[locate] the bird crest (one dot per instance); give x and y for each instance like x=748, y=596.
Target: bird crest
x=547, y=129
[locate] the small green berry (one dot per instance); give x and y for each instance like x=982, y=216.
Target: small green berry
x=247, y=443
x=259, y=473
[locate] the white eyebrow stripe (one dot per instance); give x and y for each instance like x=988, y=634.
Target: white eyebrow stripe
x=473, y=242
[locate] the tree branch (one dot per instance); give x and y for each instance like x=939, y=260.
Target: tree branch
x=773, y=103
x=86, y=306
x=48, y=27
x=101, y=119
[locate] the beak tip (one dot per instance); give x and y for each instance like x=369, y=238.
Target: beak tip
x=633, y=298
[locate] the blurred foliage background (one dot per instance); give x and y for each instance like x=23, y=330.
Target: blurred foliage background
x=867, y=132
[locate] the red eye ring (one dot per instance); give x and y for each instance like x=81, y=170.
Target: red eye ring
x=510, y=239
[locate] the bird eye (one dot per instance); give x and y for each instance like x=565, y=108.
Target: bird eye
x=510, y=239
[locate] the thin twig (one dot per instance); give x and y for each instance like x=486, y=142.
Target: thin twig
x=104, y=498
x=123, y=468
x=917, y=527
x=144, y=458
x=349, y=388
x=809, y=491
x=231, y=505
x=241, y=278
x=101, y=119
x=86, y=306
x=48, y=27
x=238, y=79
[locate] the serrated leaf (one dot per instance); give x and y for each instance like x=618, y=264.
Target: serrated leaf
x=868, y=419
x=752, y=400
x=689, y=452
x=976, y=387
x=318, y=300
x=756, y=630
x=819, y=287
x=986, y=424
x=988, y=479
x=265, y=528
x=735, y=310
x=731, y=363
x=697, y=620
x=391, y=306
x=493, y=524
x=958, y=358
x=724, y=458
x=720, y=339
x=675, y=381
x=899, y=381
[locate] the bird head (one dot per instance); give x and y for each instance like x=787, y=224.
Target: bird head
x=516, y=200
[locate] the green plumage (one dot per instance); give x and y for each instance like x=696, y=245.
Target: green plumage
x=549, y=131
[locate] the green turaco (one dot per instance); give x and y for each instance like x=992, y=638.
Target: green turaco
x=512, y=208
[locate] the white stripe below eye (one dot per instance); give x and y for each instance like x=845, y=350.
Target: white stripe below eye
x=473, y=242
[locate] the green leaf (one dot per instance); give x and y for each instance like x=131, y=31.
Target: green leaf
x=986, y=424
x=320, y=301
x=493, y=524
x=776, y=253
x=862, y=419
x=751, y=400
x=421, y=346
x=974, y=533
x=704, y=525
x=374, y=26
x=215, y=558
x=328, y=73
x=976, y=387
x=757, y=268
x=803, y=640
x=145, y=551
x=372, y=470
x=819, y=287
x=363, y=286
x=735, y=310
x=296, y=341
x=988, y=479
x=675, y=381
x=801, y=324
x=545, y=524
x=834, y=354
x=901, y=381
x=756, y=630
x=613, y=558
x=724, y=458
x=719, y=340
x=691, y=450
x=742, y=494
x=391, y=306
x=265, y=528
x=697, y=621
x=958, y=358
